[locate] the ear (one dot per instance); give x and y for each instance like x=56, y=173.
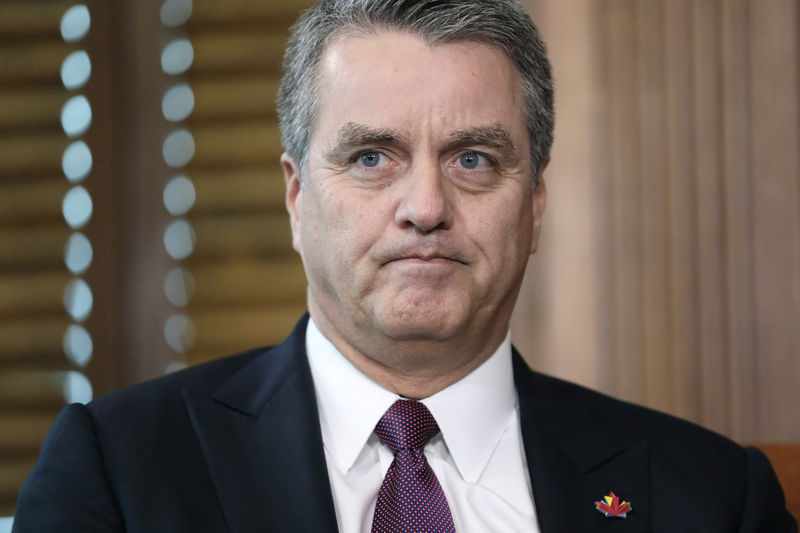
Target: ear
x=539, y=205
x=291, y=175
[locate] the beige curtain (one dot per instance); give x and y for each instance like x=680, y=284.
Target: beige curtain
x=669, y=273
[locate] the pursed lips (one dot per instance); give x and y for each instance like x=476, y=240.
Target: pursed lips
x=424, y=259
x=431, y=253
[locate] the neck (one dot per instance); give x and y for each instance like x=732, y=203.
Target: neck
x=414, y=369
x=411, y=382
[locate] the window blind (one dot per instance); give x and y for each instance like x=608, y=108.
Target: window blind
x=35, y=374
x=250, y=286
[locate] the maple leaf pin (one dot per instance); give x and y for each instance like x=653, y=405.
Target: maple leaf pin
x=612, y=507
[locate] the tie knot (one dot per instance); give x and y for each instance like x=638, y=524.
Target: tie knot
x=406, y=425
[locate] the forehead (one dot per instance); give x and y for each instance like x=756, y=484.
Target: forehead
x=396, y=80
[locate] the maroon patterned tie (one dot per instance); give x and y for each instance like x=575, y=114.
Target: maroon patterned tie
x=410, y=499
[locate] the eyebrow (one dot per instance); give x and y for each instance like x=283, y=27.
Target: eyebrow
x=495, y=137
x=354, y=135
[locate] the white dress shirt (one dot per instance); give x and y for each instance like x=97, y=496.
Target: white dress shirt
x=478, y=457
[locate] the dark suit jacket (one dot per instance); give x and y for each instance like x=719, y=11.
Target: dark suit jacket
x=235, y=446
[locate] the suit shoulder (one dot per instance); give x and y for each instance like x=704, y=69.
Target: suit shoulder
x=662, y=430
x=164, y=390
x=706, y=475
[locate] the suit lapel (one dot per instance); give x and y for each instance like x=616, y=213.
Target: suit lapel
x=261, y=441
x=576, y=456
x=262, y=444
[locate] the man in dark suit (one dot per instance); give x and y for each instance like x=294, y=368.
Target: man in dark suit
x=416, y=134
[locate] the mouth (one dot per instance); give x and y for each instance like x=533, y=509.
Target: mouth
x=425, y=259
x=422, y=254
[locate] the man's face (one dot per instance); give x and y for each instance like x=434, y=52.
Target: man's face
x=416, y=218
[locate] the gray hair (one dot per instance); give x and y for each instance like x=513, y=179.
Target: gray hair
x=503, y=24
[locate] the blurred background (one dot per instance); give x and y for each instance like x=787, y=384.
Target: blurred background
x=142, y=226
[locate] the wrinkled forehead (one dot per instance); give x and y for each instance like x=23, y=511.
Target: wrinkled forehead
x=397, y=79
x=366, y=32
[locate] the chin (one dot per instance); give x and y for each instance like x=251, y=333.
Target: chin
x=419, y=324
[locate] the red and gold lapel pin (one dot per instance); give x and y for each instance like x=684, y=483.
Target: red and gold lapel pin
x=612, y=507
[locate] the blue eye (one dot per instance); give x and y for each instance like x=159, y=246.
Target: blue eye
x=470, y=160
x=370, y=159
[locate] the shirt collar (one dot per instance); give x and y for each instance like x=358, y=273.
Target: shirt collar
x=349, y=403
x=472, y=413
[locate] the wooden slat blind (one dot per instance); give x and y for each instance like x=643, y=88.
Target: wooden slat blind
x=32, y=234
x=250, y=282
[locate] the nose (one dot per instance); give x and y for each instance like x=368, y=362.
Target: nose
x=424, y=204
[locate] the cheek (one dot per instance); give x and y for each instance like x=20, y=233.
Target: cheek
x=316, y=229
x=498, y=222
x=502, y=234
x=345, y=225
